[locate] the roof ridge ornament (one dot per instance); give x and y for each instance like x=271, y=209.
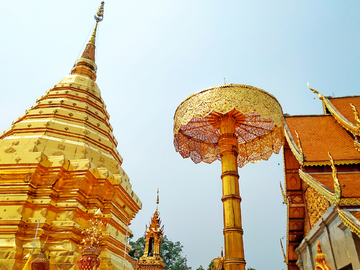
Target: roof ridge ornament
x=300, y=146
x=315, y=91
x=337, y=187
x=356, y=114
x=283, y=194
x=333, y=196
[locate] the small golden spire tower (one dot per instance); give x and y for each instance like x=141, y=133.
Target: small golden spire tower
x=58, y=164
x=151, y=259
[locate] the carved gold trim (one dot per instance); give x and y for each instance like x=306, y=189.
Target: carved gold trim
x=293, y=147
x=287, y=232
x=336, y=114
x=351, y=201
x=337, y=162
x=316, y=205
x=340, y=118
x=357, y=145
x=348, y=222
x=285, y=201
x=336, y=181
x=224, y=98
x=299, y=142
x=282, y=248
x=332, y=196
x=356, y=115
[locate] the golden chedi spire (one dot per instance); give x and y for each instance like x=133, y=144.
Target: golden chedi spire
x=58, y=164
x=85, y=65
x=153, y=238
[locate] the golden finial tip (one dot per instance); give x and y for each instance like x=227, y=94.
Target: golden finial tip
x=157, y=199
x=99, y=15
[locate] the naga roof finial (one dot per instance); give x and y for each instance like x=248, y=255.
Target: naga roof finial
x=315, y=91
x=356, y=114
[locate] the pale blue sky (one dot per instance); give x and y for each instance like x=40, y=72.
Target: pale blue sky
x=153, y=54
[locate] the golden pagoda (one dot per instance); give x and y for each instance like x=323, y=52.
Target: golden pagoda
x=151, y=259
x=58, y=164
x=322, y=188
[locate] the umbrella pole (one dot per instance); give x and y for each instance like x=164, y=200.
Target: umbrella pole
x=233, y=233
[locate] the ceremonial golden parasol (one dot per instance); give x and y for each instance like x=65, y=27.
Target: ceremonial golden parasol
x=236, y=124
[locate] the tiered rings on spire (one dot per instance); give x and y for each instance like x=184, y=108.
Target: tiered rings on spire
x=85, y=65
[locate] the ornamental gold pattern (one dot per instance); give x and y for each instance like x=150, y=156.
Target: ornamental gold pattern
x=356, y=115
x=316, y=205
x=259, y=123
x=293, y=146
x=348, y=222
x=92, y=235
x=350, y=201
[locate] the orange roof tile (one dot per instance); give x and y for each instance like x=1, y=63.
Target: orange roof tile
x=349, y=182
x=342, y=104
x=320, y=134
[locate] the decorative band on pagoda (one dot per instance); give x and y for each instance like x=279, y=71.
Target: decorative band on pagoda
x=231, y=196
x=232, y=173
x=235, y=261
x=233, y=229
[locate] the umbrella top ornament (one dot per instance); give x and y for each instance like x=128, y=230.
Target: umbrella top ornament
x=258, y=123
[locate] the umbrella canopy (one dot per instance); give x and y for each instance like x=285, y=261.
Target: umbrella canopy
x=258, y=123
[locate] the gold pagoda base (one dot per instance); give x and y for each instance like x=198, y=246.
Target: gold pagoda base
x=61, y=196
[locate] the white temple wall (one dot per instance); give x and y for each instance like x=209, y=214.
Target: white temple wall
x=342, y=250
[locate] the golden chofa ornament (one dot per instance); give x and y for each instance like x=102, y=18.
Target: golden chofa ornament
x=236, y=124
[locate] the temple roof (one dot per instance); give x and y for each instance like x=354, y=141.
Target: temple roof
x=320, y=134
x=349, y=187
x=321, y=158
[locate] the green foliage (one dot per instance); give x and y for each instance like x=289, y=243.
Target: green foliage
x=139, y=245
x=200, y=268
x=170, y=252
x=251, y=268
x=211, y=264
